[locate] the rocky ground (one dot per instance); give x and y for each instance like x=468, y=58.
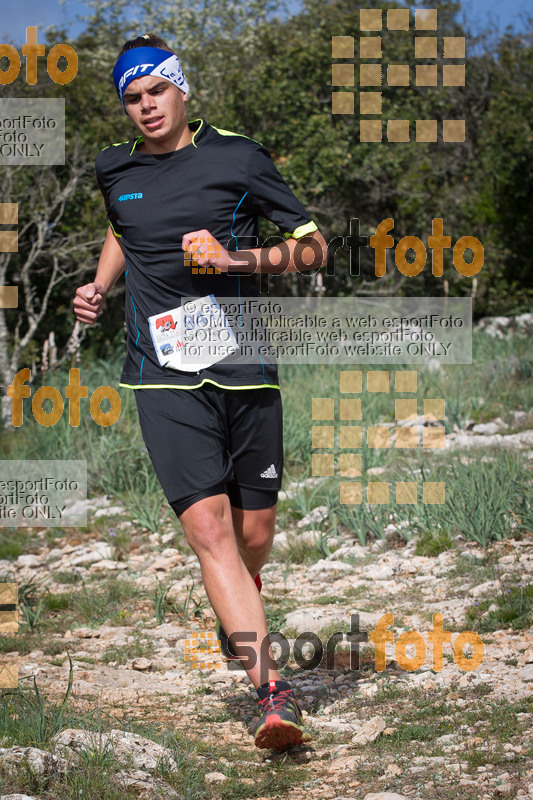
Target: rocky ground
x=173, y=728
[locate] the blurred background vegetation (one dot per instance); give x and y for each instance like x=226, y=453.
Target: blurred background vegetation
x=256, y=69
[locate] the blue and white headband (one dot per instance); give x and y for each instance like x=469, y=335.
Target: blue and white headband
x=141, y=61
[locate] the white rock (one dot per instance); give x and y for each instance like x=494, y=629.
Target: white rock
x=145, y=754
x=215, y=777
x=40, y=762
x=526, y=658
x=165, y=563
x=313, y=619
x=378, y=572
x=97, y=551
x=29, y=561
x=106, y=563
x=337, y=724
x=86, y=633
x=169, y=632
x=141, y=664
x=84, y=506
x=171, y=552
x=447, y=739
x=108, y=512
x=385, y=796
x=514, y=440
x=312, y=538
x=280, y=539
x=328, y=565
x=370, y=731
x=503, y=789
x=526, y=673
x=486, y=428
x=17, y=797
x=314, y=517
x=483, y=588
x=143, y=784
x=353, y=550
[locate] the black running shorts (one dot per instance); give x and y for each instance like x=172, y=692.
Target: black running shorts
x=210, y=440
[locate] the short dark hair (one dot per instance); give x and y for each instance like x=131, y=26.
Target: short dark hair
x=148, y=40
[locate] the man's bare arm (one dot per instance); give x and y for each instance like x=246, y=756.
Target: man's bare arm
x=90, y=298
x=293, y=255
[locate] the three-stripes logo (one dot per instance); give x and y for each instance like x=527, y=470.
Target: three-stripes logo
x=270, y=472
x=9, y=243
x=427, y=48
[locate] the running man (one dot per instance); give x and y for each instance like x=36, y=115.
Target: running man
x=213, y=430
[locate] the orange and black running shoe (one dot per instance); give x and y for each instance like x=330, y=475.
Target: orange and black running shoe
x=280, y=725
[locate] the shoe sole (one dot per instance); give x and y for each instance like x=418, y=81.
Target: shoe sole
x=278, y=734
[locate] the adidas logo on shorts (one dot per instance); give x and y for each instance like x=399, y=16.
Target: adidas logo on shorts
x=270, y=472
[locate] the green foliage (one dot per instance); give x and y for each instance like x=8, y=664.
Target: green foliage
x=26, y=718
x=432, y=543
x=480, y=498
x=186, y=610
x=12, y=545
x=160, y=598
x=275, y=618
x=364, y=519
x=144, y=497
x=121, y=654
x=16, y=644
x=514, y=609
x=31, y=604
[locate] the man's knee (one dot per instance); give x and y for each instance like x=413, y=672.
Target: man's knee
x=208, y=526
x=255, y=529
x=260, y=542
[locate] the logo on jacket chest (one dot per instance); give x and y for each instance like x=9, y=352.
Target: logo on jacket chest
x=133, y=196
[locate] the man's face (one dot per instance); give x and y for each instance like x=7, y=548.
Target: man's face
x=157, y=109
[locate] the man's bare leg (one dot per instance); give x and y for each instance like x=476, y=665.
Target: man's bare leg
x=254, y=531
x=208, y=526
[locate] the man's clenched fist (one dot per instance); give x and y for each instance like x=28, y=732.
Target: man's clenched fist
x=88, y=302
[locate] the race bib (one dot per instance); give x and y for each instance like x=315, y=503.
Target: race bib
x=193, y=336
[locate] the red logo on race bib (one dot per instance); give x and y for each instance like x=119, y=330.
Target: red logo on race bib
x=165, y=322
